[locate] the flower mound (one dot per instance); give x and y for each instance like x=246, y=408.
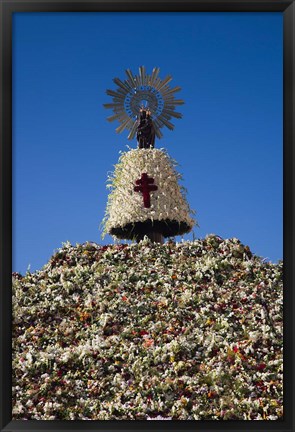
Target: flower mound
x=189, y=330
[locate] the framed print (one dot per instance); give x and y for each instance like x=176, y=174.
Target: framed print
x=147, y=215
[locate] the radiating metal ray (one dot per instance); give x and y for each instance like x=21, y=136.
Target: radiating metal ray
x=167, y=123
x=122, y=126
x=121, y=84
x=137, y=81
x=115, y=94
x=169, y=91
x=142, y=75
x=129, y=85
x=121, y=92
x=133, y=131
x=178, y=101
x=118, y=100
x=157, y=130
x=164, y=82
x=112, y=105
x=154, y=75
x=120, y=113
x=157, y=83
x=118, y=116
x=173, y=113
x=130, y=77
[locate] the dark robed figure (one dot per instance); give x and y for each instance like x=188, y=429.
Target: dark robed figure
x=145, y=130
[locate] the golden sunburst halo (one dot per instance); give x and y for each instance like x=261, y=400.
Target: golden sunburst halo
x=147, y=91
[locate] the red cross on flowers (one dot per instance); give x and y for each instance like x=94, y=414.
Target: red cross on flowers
x=145, y=186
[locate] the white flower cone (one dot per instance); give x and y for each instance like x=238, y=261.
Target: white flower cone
x=126, y=213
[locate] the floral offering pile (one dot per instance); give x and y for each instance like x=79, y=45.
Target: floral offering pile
x=182, y=331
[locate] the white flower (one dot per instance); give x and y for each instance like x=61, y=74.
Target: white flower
x=18, y=408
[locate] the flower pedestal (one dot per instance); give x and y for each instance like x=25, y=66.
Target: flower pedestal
x=146, y=199
x=155, y=237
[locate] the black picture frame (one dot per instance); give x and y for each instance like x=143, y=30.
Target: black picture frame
x=7, y=8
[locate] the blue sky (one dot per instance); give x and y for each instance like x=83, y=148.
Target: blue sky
x=228, y=143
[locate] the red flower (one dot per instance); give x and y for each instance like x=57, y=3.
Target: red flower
x=143, y=332
x=261, y=366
